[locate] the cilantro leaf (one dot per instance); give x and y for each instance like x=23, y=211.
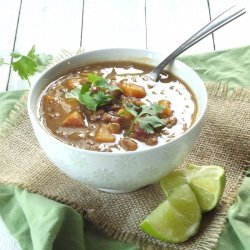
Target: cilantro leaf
x=83, y=96
x=77, y=92
x=31, y=53
x=132, y=109
x=42, y=61
x=15, y=54
x=28, y=65
x=85, y=88
x=88, y=101
x=90, y=98
x=153, y=109
x=93, y=101
x=98, y=81
x=101, y=82
x=101, y=98
x=92, y=77
x=147, y=118
x=25, y=67
x=74, y=93
x=112, y=88
x=148, y=123
x=87, y=98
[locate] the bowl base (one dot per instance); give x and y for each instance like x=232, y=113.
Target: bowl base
x=117, y=191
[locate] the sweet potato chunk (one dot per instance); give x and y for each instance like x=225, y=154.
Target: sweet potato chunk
x=74, y=119
x=103, y=134
x=166, y=105
x=72, y=83
x=48, y=99
x=125, y=114
x=75, y=105
x=133, y=90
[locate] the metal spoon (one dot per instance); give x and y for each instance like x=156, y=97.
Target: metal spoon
x=224, y=18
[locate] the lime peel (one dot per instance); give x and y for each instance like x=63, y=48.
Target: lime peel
x=176, y=219
x=208, y=183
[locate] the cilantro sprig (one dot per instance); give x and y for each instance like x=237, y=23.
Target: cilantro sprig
x=146, y=117
x=28, y=65
x=90, y=98
x=101, y=82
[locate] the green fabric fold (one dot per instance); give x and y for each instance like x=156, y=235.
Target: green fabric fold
x=40, y=223
x=7, y=102
x=236, y=234
x=230, y=66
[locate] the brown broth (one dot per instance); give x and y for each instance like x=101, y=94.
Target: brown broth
x=54, y=107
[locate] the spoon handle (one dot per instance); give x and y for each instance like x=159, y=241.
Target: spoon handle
x=218, y=22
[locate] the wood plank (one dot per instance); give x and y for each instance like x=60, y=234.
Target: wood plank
x=8, y=22
x=170, y=23
x=236, y=33
x=114, y=23
x=51, y=26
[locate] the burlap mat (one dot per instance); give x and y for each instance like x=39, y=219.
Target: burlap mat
x=224, y=141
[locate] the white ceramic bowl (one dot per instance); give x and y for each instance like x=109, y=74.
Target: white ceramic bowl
x=118, y=171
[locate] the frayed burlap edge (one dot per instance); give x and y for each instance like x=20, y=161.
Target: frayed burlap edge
x=15, y=116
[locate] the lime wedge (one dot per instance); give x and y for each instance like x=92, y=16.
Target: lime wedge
x=208, y=183
x=177, y=218
x=189, y=192
x=173, y=180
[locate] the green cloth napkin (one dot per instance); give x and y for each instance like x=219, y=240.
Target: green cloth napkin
x=40, y=223
x=228, y=66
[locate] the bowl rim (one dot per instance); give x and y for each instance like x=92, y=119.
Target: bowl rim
x=33, y=116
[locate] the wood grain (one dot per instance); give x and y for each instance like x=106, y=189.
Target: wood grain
x=8, y=22
x=236, y=33
x=114, y=23
x=170, y=23
x=160, y=26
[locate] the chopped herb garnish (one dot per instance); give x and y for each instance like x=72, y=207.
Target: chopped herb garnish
x=147, y=118
x=101, y=82
x=93, y=99
x=98, y=81
x=74, y=93
x=27, y=65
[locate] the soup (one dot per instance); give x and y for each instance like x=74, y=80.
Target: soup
x=114, y=107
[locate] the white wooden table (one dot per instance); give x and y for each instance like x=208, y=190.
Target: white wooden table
x=157, y=25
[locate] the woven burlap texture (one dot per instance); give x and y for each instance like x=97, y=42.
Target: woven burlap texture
x=224, y=141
